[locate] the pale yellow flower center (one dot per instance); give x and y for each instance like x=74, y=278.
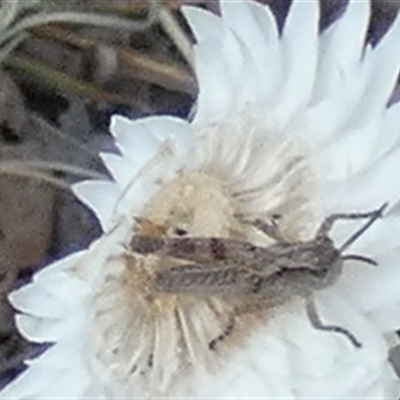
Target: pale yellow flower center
x=154, y=338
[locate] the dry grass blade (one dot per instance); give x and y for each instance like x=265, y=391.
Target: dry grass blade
x=137, y=65
x=66, y=83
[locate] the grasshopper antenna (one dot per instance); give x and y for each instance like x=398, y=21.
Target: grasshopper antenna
x=374, y=215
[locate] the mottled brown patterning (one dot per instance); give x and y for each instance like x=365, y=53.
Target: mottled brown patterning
x=276, y=273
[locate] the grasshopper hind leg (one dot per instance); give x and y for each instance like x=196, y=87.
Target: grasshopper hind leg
x=318, y=324
x=270, y=229
x=227, y=331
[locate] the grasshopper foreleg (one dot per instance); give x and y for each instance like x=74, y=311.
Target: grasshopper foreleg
x=318, y=324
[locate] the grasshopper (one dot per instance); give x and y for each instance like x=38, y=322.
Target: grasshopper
x=276, y=273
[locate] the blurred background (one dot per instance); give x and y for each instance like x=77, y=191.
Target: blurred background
x=66, y=67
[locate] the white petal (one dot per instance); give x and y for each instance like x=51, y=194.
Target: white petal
x=62, y=265
x=384, y=66
x=300, y=45
x=219, y=66
x=215, y=94
x=51, y=297
x=53, y=293
x=101, y=197
x=62, y=355
x=320, y=122
x=68, y=384
x=135, y=199
x=41, y=330
x=63, y=362
x=134, y=140
x=345, y=157
x=389, y=133
x=250, y=375
x=121, y=168
x=341, y=78
x=256, y=26
x=376, y=288
x=40, y=303
x=28, y=385
x=205, y=25
x=173, y=130
x=387, y=319
x=341, y=47
x=48, y=383
x=365, y=191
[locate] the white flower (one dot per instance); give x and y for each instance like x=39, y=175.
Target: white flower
x=295, y=124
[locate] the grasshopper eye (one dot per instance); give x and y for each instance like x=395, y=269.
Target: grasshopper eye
x=276, y=217
x=180, y=232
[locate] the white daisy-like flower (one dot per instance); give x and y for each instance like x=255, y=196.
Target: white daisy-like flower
x=295, y=125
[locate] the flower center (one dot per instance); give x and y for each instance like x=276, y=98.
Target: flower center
x=152, y=337
x=196, y=203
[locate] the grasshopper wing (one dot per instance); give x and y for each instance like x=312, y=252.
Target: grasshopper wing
x=207, y=279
